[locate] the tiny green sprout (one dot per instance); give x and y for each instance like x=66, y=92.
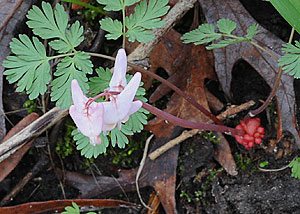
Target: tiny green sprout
x=30, y=104
x=263, y=164
x=209, y=135
x=74, y=209
x=183, y=194
x=295, y=165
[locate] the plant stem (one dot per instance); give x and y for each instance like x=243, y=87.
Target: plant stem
x=170, y=85
x=274, y=89
x=189, y=124
x=124, y=28
x=61, y=56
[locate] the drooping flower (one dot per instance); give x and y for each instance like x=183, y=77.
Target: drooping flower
x=118, y=81
x=88, y=119
x=120, y=107
x=254, y=133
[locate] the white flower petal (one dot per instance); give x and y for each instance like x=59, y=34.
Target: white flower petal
x=118, y=80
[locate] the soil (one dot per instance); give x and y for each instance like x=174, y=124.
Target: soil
x=202, y=185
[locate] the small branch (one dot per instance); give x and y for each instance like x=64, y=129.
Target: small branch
x=187, y=134
x=30, y=132
x=143, y=161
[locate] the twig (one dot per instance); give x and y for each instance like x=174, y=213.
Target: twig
x=43, y=161
x=187, y=134
x=140, y=170
x=30, y=132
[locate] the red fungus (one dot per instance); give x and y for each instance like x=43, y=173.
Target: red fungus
x=254, y=133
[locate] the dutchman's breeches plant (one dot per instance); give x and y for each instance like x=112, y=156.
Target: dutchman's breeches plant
x=107, y=105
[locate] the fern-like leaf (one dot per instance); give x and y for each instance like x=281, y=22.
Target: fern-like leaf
x=145, y=18
x=291, y=60
x=50, y=25
x=30, y=66
x=70, y=68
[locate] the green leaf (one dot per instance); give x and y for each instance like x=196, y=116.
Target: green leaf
x=252, y=31
x=49, y=25
x=137, y=121
x=70, y=68
x=116, y=5
x=74, y=36
x=289, y=10
x=74, y=209
x=30, y=66
x=295, y=165
x=118, y=137
x=263, y=164
x=205, y=33
x=226, y=26
x=146, y=17
x=114, y=27
x=111, y=5
x=291, y=60
x=88, y=150
x=101, y=82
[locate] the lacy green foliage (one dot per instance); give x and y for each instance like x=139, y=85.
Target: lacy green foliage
x=291, y=60
x=88, y=150
x=30, y=64
x=206, y=33
x=75, y=67
x=116, y=5
x=74, y=209
x=50, y=25
x=139, y=24
x=295, y=165
x=101, y=82
x=117, y=137
x=145, y=17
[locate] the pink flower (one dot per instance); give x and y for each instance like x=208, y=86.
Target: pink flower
x=121, y=106
x=118, y=81
x=88, y=119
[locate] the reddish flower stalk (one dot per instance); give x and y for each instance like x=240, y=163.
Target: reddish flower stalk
x=170, y=85
x=192, y=125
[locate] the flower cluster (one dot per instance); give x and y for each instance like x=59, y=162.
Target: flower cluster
x=92, y=118
x=254, y=133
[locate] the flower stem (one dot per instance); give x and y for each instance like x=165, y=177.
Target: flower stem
x=170, y=85
x=189, y=124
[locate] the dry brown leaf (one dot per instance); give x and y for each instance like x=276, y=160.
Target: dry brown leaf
x=266, y=66
x=56, y=206
x=12, y=161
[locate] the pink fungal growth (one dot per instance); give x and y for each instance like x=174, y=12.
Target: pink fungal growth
x=254, y=133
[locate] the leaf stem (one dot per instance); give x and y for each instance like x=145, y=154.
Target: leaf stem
x=170, y=85
x=242, y=39
x=274, y=89
x=61, y=56
x=124, y=27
